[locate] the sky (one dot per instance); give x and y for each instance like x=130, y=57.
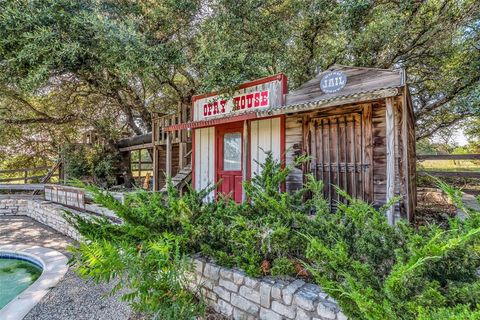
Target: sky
x=458, y=138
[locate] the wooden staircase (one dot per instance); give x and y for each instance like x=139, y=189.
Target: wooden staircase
x=49, y=175
x=181, y=179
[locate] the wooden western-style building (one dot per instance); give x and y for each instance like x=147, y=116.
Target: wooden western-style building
x=356, y=124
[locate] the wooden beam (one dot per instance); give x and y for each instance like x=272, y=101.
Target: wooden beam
x=182, y=151
x=24, y=179
x=448, y=157
x=457, y=174
x=25, y=169
x=137, y=147
x=405, y=158
x=368, y=151
x=139, y=167
x=314, y=105
x=155, y=184
x=390, y=144
x=22, y=187
x=245, y=154
x=168, y=168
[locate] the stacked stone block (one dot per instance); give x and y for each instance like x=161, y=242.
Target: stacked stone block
x=235, y=295
x=13, y=206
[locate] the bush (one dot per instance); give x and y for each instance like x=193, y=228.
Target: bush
x=283, y=267
x=377, y=271
x=374, y=270
x=97, y=164
x=146, y=261
x=153, y=273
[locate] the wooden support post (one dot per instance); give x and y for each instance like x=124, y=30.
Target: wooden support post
x=182, y=151
x=390, y=139
x=155, y=186
x=405, y=156
x=25, y=176
x=368, y=152
x=155, y=138
x=245, y=154
x=139, y=163
x=183, y=119
x=168, y=167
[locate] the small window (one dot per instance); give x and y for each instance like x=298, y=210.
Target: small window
x=232, y=151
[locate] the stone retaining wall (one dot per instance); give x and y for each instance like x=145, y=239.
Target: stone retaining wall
x=229, y=292
x=45, y=212
x=233, y=294
x=13, y=206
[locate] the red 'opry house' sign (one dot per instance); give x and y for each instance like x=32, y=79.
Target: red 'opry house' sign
x=259, y=94
x=243, y=102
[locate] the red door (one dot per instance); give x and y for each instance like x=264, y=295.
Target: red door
x=229, y=160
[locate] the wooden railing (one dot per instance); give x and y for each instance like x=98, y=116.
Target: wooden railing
x=445, y=173
x=160, y=137
x=140, y=168
x=163, y=142
x=448, y=157
x=26, y=175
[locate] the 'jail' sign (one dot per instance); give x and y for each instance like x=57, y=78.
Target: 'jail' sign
x=333, y=82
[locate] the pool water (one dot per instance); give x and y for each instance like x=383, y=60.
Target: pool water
x=15, y=276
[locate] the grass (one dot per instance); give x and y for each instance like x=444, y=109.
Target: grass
x=469, y=184
x=449, y=165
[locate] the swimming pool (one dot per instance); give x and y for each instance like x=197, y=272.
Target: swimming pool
x=27, y=273
x=16, y=275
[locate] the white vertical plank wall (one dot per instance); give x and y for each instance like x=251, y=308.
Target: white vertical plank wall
x=205, y=159
x=265, y=136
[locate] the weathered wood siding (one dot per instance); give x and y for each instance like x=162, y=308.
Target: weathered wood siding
x=408, y=156
x=264, y=137
x=412, y=160
x=293, y=148
x=374, y=127
x=162, y=163
x=205, y=158
x=379, y=148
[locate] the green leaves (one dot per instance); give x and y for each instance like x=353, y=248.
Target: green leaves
x=153, y=274
x=376, y=271
x=373, y=270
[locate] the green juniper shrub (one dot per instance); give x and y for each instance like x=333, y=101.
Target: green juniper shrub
x=146, y=254
x=264, y=228
x=374, y=270
x=377, y=271
x=282, y=267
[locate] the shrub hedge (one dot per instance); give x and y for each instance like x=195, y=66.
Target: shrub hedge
x=373, y=270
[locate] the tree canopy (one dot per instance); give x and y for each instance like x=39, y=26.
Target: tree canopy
x=68, y=66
